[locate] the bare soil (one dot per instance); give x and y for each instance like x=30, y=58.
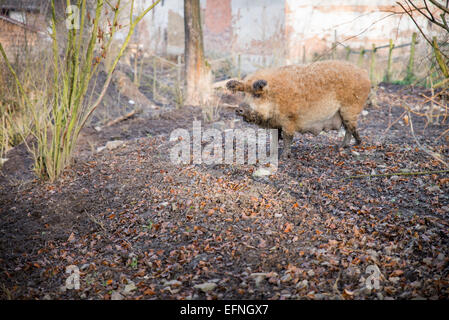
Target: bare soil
x=139, y=227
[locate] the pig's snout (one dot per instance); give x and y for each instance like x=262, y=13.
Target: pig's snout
x=239, y=111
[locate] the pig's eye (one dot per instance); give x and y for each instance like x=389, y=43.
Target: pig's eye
x=257, y=95
x=259, y=85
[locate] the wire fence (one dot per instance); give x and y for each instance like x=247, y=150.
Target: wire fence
x=162, y=78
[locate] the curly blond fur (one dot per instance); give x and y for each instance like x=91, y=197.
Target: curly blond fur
x=306, y=98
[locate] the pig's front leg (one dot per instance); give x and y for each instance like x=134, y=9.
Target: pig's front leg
x=287, y=152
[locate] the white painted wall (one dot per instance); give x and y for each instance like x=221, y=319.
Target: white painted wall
x=357, y=23
x=268, y=32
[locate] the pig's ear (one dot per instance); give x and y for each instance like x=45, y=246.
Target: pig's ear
x=235, y=85
x=259, y=85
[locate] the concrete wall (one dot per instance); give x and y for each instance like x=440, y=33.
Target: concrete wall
x=253, y=29
x=267, y=32
x=313, y=26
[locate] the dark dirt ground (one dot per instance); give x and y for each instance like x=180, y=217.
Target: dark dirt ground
x=139, y=227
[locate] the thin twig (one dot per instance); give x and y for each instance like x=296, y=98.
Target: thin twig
x=441, y=135
x=396, y=174
x=122, y=118
x=399, y=118
x=419, y=144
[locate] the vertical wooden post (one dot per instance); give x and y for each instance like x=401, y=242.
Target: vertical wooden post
x=410, y=75
x=390, y=55
x=178, y=70
x=304, y=54
x=334, y=46
x=443, y=66
x=372, y=64
x=154, y=77
x=361, y=56
x=135, y=70
x=239, y=64
x=178, y=83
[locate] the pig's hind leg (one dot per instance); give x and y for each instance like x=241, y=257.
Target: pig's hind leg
x=350, y=124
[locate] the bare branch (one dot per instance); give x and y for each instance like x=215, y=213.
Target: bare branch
x=440, y=6
x=431, y=19
x=427, y=8
x=414, y=21
x=420, y=10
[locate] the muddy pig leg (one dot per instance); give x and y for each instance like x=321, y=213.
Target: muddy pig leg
x=350, y=123
x=287, y=152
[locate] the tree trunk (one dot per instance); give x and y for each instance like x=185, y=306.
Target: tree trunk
x=198, y=75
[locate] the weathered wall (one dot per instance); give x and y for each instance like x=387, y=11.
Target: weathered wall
x=313, y=26
x=253, y=29
x=217, y=18
x=162, y=30
x=258, y=32
x=265, y=32
x=14, y=36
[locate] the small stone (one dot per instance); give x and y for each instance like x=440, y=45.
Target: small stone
x=261, y=172
x=111, y=145
x=434, y=188
x=394, y=280
x=174, y=283
x=85, y=266
x=311, y=273
x=364, y=113
x=259, y=277
x=116, y=296
x=320, y=296
x=302, y=285
x=131, y=286
x=374, y=254
x=286, y=278
x=441, y=257
x=259, y=274
x=206, y=287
